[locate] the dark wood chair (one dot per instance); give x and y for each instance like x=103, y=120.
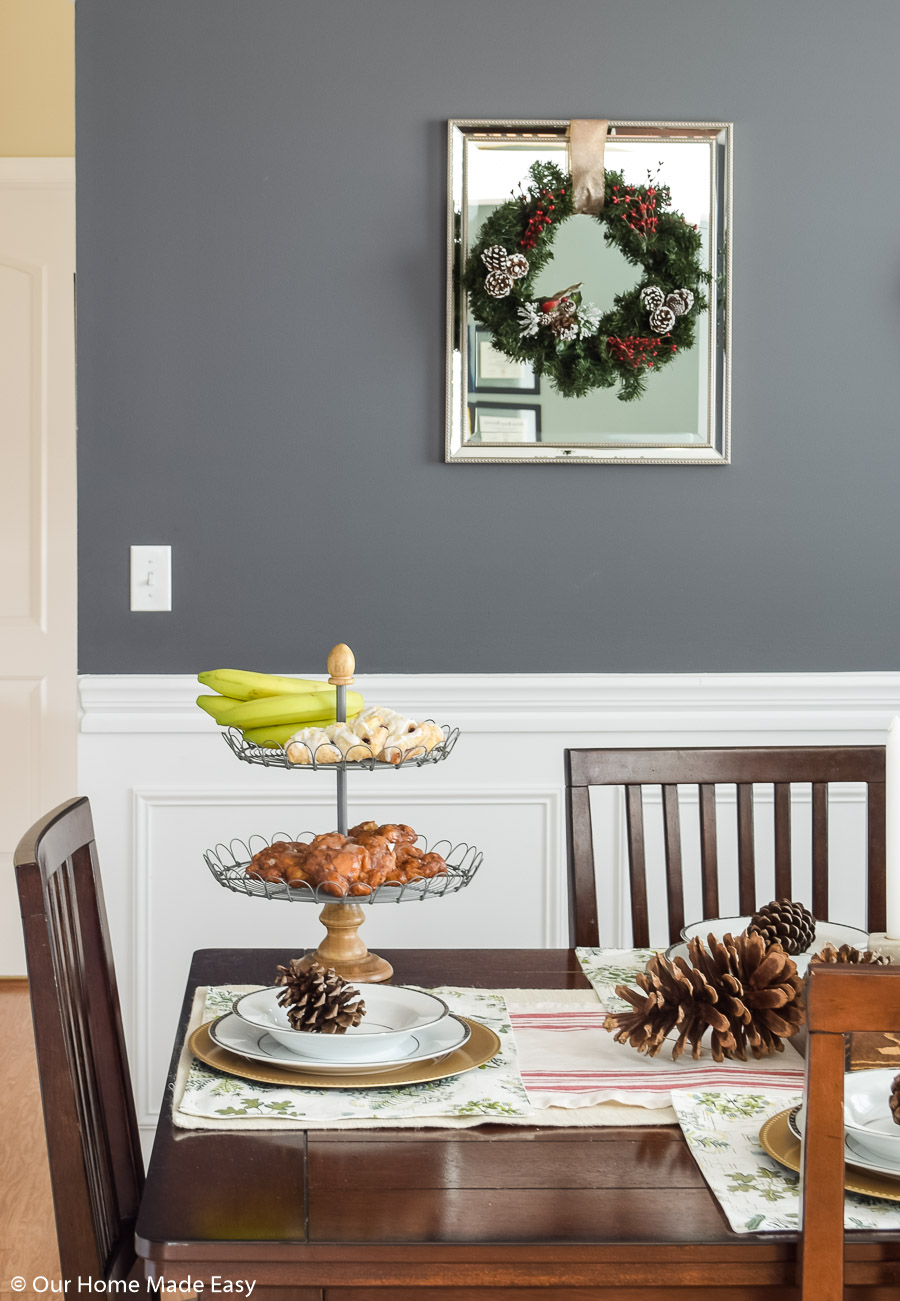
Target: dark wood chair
x=839, y=999
x=706, y=769
x=96, y=1168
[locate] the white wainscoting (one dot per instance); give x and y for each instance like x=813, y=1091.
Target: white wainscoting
x=164, y=788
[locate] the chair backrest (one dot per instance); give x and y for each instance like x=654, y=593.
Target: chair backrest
x=839, y=999
x=96, y=1169
x=706, y=769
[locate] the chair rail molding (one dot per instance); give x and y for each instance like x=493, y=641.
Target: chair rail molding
x=861, y=704
x=164, y=788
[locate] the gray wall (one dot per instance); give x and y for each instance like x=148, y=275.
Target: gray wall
x=261, y=342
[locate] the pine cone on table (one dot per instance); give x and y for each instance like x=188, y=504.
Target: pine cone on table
x=895, y=1099
x=318, y=1000
x=744, y=994
x=847, y=954
x=784, y=922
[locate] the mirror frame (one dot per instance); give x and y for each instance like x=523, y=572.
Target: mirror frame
x=717, y=450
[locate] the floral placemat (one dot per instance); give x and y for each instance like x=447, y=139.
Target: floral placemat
x=606, y=968
x=493, y=1091
x=756, y=1193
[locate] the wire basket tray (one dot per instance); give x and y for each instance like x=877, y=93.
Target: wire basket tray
x=228, y=864
x=250, y=752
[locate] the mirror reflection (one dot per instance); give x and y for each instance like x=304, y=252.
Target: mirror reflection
x=506, y=405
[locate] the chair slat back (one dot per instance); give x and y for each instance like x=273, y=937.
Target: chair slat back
x=96, y=1168
x=839, y=1000
x=706, y=769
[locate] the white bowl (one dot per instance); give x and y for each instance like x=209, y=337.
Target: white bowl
x=393, y=1013
x=867, y=1113
x=826, y=932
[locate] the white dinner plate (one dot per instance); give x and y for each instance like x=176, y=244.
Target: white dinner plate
x=854, y=1154
x=826, y=933
x=392, y=1014
x=257, y=1045
x=867, y=1114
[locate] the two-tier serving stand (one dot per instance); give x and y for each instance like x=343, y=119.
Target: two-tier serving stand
x=342, y=947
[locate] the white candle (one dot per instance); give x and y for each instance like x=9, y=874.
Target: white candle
x=892, y=827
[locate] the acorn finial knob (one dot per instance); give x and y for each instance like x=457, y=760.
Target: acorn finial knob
x=341, y=663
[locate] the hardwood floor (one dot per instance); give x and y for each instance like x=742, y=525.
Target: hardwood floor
x=27, y=1229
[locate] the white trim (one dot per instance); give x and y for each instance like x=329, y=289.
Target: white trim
x=37, y=171
x=856, y=707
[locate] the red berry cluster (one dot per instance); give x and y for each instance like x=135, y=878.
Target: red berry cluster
x=539, y=218
x=639, y=350
x=639, y=213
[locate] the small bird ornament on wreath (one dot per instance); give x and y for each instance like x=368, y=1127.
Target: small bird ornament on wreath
x=574, y=344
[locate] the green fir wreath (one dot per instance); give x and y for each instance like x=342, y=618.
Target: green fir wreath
x=571, y=342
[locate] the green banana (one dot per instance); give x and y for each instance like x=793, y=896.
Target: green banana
x=312, y=707
x=241, y=684
x=277, y=735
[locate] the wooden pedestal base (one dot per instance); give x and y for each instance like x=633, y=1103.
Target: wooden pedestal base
x=343, y=949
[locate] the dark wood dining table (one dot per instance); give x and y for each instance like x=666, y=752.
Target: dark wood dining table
x=620, y=1213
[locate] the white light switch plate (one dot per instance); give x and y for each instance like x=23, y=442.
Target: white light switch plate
x=151, y=578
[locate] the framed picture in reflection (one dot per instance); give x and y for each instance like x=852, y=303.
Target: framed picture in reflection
x=504, y=422
x=492, y=372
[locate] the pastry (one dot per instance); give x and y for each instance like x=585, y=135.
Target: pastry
x=309, y=743
x=356, y=864
x=410, y=741
x=348, y=743
x=283, y=861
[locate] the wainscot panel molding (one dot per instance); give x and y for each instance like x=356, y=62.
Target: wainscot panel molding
x=164, y=788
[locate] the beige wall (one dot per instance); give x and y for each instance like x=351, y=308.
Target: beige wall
x=37, y=78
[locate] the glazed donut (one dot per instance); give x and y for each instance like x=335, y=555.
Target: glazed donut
x=399, y=833
x=276, y=861
x=381, y=856
x=363, y=829
x=328, y=840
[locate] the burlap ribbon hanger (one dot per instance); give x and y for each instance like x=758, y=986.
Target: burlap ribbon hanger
x=587, y=145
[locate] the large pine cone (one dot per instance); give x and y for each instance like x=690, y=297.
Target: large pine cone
x=784, y=922
x=740, y=990
x=318, y=1000
x=895, y=1099
x=847, y=954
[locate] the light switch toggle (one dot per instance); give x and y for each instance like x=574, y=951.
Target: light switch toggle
x=151, y=578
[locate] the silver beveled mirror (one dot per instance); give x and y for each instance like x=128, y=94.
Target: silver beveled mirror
x=572, y=344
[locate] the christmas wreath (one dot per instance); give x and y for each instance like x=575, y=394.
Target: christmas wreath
x=573, y=343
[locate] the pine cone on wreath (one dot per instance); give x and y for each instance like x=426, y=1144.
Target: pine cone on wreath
x=516, y=266
x=318, y=1000
x=651, y=298
x=498, y=284
x=495, y=258
x=680, y=301
x=895, y=1099
x=787, y=922
x=847, y=954
x=743, y=993
x=662, y=320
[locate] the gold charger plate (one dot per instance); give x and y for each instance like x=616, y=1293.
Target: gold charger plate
x=481, y=1046
x=778, y=1140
